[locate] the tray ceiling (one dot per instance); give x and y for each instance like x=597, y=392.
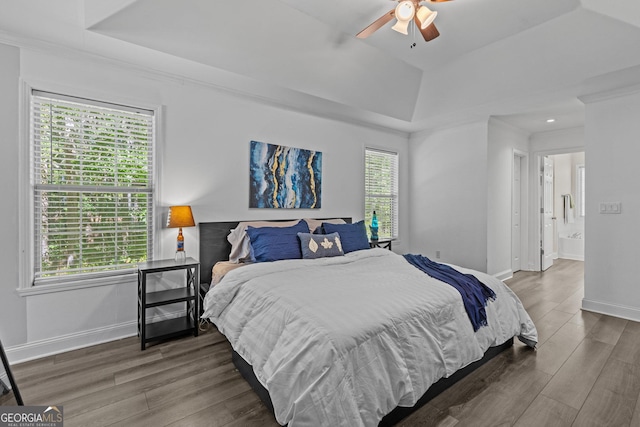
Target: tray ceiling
x=493, y=57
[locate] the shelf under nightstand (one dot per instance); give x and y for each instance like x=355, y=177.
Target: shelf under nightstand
x=188, y=294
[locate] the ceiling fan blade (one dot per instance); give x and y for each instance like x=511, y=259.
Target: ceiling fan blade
x=376, y=25
x=429, y=33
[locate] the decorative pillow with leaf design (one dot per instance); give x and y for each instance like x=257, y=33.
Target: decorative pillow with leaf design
x=320, y=245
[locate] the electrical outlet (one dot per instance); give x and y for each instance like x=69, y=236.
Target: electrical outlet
x=438, y=254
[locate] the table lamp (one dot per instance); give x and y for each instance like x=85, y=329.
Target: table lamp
x=180, y=216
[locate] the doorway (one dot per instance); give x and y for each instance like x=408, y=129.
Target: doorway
x=562, y=213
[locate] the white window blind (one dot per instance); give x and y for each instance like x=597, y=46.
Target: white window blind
x=381, y=191
x=92, y=166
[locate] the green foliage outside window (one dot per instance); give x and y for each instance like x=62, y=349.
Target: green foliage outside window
x=93, y=187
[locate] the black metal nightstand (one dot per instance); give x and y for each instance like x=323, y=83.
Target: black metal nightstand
x=187, y=294
x=381, y=243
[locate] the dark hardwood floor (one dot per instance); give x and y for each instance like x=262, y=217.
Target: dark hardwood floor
x=585, y=372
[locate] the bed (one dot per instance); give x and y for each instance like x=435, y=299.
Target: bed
x=358, y=339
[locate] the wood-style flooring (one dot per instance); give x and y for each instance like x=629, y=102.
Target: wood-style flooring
x=585, y=372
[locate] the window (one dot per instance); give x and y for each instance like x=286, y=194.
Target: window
x=381, y=191
x=92, y=183
x=581, y=190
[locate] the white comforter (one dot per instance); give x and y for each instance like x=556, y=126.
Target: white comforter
x=344, y=340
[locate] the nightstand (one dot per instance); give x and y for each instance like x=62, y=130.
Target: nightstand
x=381, y=243
x=187, y=293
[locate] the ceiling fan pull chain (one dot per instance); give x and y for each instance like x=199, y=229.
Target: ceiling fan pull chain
x=413, y=35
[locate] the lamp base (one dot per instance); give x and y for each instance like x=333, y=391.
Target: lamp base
x=181, y=256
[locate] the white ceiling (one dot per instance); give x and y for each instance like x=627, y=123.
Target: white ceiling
x=465, y=25
x=520, y=61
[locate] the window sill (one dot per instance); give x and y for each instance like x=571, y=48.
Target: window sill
x=72, y=285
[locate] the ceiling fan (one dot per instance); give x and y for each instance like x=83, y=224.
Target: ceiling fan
x=405, y=12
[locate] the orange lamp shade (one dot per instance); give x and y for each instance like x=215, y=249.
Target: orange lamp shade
x=180, y=216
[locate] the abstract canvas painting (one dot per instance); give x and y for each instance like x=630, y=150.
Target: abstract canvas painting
x=284, y=177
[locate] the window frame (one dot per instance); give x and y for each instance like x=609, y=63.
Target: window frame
x=394, y=194
x=26, y=208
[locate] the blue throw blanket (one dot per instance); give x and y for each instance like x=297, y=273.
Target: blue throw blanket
x=475, y=294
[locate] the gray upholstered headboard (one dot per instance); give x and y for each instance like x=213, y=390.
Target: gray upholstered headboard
x=214, y=246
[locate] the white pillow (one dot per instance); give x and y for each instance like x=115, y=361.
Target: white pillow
x=240, y=247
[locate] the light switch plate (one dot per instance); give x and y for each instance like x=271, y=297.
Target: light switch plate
x=610, y=208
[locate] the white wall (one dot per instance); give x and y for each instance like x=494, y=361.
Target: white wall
x=203, y=161
x=448, y=187
x=557, y=142
x=461, y=187
x=503, y=141
x=208, y=166
x=612, y=132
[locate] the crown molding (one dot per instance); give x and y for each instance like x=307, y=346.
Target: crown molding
x=604, y=95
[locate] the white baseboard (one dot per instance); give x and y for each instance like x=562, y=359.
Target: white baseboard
x=38, y=349
x=624, y=312
x=575, y=257
x=504, y=275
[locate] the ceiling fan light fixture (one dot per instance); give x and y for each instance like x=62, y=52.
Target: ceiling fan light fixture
x=405, y=11
x=401, y=27
x=426, y=16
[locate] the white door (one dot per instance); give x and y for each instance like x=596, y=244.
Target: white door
x=546, y=253
x=516, y=216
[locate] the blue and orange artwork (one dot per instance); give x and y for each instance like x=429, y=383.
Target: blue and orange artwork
x=284, y=177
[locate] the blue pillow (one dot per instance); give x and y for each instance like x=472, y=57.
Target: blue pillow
x=353, y=236
x=320, y=245
x=276, y=243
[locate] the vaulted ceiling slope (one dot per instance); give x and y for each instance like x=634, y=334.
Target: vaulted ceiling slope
x=493, y=57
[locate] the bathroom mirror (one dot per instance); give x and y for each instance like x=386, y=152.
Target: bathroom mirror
x=12, y=397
